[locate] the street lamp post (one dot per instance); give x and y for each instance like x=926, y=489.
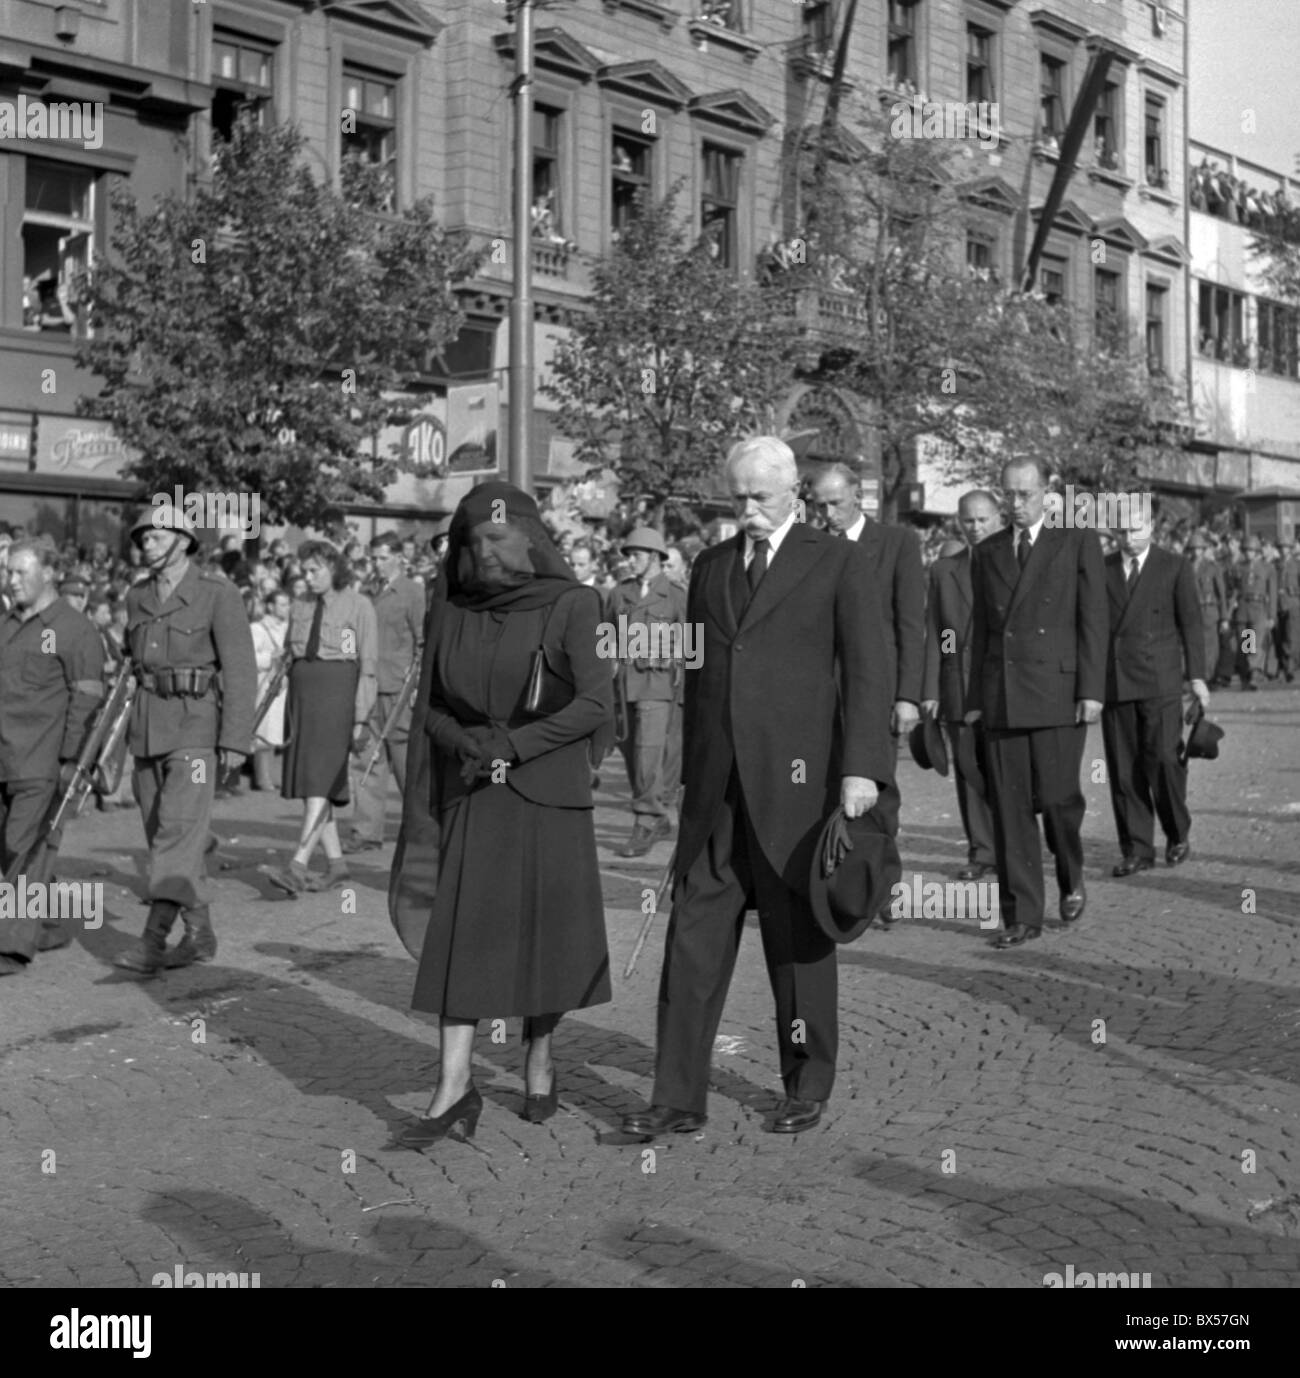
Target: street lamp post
x=521, y=302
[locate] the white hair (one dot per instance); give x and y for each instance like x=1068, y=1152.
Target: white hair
x=771, y=452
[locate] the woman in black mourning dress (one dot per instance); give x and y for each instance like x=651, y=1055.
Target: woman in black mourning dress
x=517, y=924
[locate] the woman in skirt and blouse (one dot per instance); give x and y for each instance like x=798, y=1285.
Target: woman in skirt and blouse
x=517, y=926
x=334, y=640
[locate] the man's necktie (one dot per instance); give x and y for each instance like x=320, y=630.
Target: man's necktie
x=1132, y=577
x=1023, y=548
x=758, y=565
x=313, y=637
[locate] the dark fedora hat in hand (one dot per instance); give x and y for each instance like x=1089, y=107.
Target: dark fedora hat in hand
x=855, y=867
x=1202, y=741
x=929, y=750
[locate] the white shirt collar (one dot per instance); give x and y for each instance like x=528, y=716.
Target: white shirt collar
x=1034, y=532
x=773, y=541
x=1139, y=559
x=854, y=532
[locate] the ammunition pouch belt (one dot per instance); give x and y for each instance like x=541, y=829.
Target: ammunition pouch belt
x=183, y=682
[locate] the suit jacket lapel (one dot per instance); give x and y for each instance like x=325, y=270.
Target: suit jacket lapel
x=1002, y=557
x=796, y=556
x=962, y=582
x=1116, y=591
x=1041, y=554
x=730, y=571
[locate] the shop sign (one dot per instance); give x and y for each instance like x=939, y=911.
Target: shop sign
x=79, y=447
x=15, y=439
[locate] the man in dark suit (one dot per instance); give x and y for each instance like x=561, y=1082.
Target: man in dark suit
x=786, y=717
x=1038, y=670
x=1155, y=633
x=894, y=556
x=947, y=674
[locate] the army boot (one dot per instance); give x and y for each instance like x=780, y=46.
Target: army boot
x=150, y=956
x=199, y=943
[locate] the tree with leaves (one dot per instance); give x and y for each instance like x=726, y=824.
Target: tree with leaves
x=252, y=338
x=673, y=359
x=945, y=354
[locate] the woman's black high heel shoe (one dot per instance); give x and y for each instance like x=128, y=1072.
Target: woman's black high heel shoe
x=538, y=1109
x=432, y=1128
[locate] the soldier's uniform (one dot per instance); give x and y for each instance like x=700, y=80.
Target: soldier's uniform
x=1212, y=593
x=1288, y=610
x=399, y=613
x=51, y=668
x=196, y=678
x=1254, y=610
x=652, y=688
x=1226, y=664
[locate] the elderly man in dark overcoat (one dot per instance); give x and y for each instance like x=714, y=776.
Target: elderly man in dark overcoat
x=786, y=717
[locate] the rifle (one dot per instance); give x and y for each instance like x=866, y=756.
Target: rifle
x=398, y=708
x=268, y=697
x=67, y=802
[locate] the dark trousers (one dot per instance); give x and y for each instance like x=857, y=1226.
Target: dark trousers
x=23, y=806
x=1146, y=781
x=1032, y=771
x=1227, y=662
x=174, y=792
x=1210, y=626
x=972, y=792
x=730, y=875
x=1287, y=649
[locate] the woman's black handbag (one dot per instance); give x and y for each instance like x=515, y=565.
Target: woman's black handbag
x=547, y=690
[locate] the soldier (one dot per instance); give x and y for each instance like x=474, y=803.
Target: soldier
x=1212, y=595
x=196, y=677
x=1288, y=607
x=51, y=664
x=1255, y=611
x=399, y=605
x=651, y=685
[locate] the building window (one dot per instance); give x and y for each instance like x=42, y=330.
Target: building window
x=370, y=134
x=243, y=74
x=726, y=14
x=719, y=204
x=1157, y=298
x=979, y=65
x=1153, y=143
x=981, y=258
x=1051, y=280
x=548, y=211
x=819, y=30
x=1279, y=339
x=1221, y=325
x=902, y=42
x=1108, y=307
x=1051, y=85
x=1105, y=128
x=58, y=245
x=632, y=159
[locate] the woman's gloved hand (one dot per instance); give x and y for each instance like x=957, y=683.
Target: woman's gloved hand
x=492, y=745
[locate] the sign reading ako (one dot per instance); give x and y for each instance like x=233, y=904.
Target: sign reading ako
x=424, y=447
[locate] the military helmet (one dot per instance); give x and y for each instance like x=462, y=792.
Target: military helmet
x=644, y=538
x=165, y=516
x=1252, y=543
x=1196, y=541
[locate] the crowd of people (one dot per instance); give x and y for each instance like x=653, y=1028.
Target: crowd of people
x=504, y=652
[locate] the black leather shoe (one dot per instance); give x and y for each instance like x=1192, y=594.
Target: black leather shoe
x=1130, y=866
x=977, y=870
x=1072, y=905
x=354, y=844
x=1176, y=853
x=1017, y=934
x=662, y=1119
x=795, y=1116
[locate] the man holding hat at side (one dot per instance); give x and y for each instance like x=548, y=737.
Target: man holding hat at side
x=651, y=685
x=196, y=676
x=947, y=676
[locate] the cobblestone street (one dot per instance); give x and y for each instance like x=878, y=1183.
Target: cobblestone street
x=981, y=1134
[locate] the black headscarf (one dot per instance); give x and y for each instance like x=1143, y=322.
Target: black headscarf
x=499, y=502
